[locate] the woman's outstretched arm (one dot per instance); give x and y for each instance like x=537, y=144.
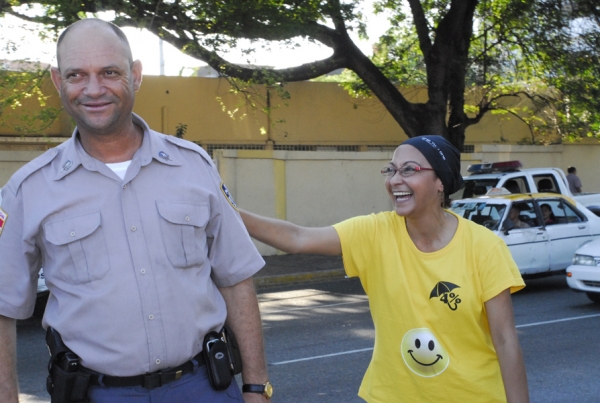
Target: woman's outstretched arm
x=292, y=238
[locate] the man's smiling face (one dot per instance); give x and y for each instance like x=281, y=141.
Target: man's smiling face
x=423, y=354
x=96, y=78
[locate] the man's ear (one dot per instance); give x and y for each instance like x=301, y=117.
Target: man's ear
x=56, y=78
x=136, y=72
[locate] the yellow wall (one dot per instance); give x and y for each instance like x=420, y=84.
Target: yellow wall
x=165, y=102
x=324, y=113
x=316, y=114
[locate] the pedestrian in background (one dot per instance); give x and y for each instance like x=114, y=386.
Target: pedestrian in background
x=438, y=285
x=573, y=181
x=143, y=249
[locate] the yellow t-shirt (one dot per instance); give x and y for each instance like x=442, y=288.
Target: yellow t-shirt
x=432, y=339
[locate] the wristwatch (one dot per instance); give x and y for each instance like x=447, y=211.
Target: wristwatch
x=265, y=389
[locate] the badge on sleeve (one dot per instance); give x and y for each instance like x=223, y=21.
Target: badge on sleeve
x=3, y=217
x=228, y=196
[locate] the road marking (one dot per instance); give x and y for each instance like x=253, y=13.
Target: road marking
x=322, y=356
x=266, y=312
x=371, y=348
x=558, y=320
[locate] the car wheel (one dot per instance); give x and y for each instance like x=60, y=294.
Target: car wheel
x=594, y=296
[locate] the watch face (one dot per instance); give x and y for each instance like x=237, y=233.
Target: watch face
x=268, y=389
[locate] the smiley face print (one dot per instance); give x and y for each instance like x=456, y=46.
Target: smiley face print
x=423, y=354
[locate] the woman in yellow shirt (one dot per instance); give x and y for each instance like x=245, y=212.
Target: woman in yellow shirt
x=438, y=285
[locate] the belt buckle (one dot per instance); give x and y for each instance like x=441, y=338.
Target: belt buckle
x=178, y=374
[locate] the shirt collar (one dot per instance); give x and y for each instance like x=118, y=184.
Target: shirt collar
x=73, y=154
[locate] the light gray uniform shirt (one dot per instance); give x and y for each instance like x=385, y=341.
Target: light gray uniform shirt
x=132, y=265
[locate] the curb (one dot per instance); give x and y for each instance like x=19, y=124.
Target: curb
x=306, y=277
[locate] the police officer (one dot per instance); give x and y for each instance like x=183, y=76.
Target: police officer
x=143, y=249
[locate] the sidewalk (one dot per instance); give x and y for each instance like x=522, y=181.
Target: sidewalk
x=288, y=269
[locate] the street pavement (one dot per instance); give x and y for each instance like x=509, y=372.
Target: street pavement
x=293, y=269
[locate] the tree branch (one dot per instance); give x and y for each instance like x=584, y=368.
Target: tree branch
x=421, y=26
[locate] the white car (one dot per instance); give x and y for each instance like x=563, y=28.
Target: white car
x=42, y=296
x=539, y=245
x=584, y=274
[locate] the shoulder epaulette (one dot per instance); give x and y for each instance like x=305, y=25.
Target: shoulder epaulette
x=189, y=146
x=33, y=166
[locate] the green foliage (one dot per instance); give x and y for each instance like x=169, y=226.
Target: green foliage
x=561, y=42
x=180, y=130
x=544, y=51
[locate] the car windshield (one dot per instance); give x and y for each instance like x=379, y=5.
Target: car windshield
x=474, y=188
x=483, y=213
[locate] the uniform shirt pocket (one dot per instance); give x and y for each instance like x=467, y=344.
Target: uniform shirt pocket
x=79, y=248
x=183, y=228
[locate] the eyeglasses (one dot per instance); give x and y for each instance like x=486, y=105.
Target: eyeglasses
x=404, y=171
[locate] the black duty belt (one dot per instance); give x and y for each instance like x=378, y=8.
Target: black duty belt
x=148, y=381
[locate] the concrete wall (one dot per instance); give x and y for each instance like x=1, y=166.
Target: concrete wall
x=586, y=158
x=11, y=161
x=323, y=188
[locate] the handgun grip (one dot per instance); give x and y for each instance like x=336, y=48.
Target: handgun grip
x=54, y=342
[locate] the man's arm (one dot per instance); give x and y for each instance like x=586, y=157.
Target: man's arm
x=292, y=238
x=9, y=391
x=243, y=317
x=506, y=342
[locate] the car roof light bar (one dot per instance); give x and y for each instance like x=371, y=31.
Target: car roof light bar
x=488, y=167
x=498, y=192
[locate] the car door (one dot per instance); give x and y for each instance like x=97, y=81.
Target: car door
x=567, y=233
x=528, y=246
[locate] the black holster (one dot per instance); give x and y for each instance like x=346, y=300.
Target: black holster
x=66, y=382
x=222, y=357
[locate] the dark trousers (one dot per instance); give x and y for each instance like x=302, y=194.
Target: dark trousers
x=191, y=388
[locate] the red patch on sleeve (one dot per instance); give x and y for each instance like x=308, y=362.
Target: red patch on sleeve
x=3, y=217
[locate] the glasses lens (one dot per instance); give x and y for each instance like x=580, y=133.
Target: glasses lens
x=388, y=171
x=408, y=170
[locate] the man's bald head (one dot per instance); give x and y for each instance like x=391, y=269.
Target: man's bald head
x=73, y=28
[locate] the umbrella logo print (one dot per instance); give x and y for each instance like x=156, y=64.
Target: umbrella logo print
x=443, y=291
